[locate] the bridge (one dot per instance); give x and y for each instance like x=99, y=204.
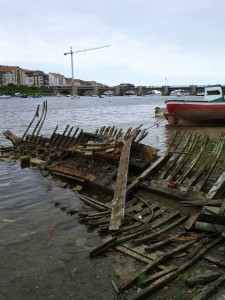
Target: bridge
x=120, y=90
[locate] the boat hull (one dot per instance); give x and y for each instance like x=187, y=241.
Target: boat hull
x=193, y=113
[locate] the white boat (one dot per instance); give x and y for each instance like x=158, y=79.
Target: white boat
x=205, y=111
x=179, y=93
x=74, y=97
x=5, y=96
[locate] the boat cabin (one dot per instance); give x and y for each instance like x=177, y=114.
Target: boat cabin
x=214, y=93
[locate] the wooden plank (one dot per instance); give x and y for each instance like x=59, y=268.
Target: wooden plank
x=218, y=186
x=152, y=169
x=193, y=218
x=171, y=276
x=210, y=289
x=118, y=203
x=214, y=260
x=155, y=263
x=72, y=172
x=159, y=274
x=102, y=248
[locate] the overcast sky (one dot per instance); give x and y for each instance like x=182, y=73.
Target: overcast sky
x=152, y=41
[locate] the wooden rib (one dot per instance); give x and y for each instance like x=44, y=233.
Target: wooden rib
x=156, y=262
x=53, y=134
x=35, y=128
x=67, y=138
x=194, y=161
x=171, y=153
x=203, y=167
x=43, y=118
x=57, y=144
x=212, y=164
x=171, y=276
x=28, y=127
x=184, y=158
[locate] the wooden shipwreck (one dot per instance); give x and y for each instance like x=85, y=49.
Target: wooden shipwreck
x=168, y=237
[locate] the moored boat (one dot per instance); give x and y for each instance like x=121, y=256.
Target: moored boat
x=207, y=111
x=5, y=96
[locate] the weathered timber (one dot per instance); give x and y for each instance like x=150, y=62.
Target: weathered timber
x=42, y=119
x=203, y=168
x=118, y=203
x=216, y=189
x=28, y=127
x=194, y=160
x=151, y=170
x=193, y=218
x=12, y=137
x=203, y=278
x=171, y=276
x=159, y=274
x=94, y=203
x=198, y=247
x=39, y=121
x=209, y=227
x=205, y=294
x=214, y=260
x=213, y=162
x=161, y=244
x=109, y=243
x=155, y=234
x=156, y=262
x=178, y=156
x=71, y=172
x=61, y=174
x=184, y=158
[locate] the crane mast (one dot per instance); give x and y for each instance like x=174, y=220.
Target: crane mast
x=71, y=52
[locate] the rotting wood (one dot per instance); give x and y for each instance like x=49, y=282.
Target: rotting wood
x=44, y=108
x=204, y=167
x=193, y=218
x=210, y=289
x=109, y=243
x=214, y=260
x=28, y=127
x=118, y=203
x=184, y=158
x=181, y=269
x=212, y=164
x=184, y=151
x=218, y=186
x=12, y=137
x=155, y=234
x=158, y=275
x=194, y=160
x=203, y=278
x=156, y=262
x=42, y=119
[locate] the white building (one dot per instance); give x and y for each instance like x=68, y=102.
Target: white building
x=56, y=79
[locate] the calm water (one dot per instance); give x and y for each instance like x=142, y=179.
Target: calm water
x=44, y=252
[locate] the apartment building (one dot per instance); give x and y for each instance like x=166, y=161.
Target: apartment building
x=56, y=79
x=11, y=75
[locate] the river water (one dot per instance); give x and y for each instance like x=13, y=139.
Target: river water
x=44, y=251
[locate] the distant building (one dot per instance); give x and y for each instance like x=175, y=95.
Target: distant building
x=36, y=78
x=56, y=79
x=11, y=75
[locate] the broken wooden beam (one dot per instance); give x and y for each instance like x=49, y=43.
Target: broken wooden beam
x=118, y=203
